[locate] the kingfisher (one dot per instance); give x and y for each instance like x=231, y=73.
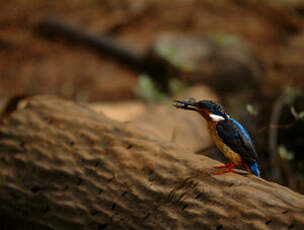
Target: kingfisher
x=230, y=137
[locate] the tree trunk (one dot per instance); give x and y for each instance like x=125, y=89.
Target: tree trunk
x=64, y=166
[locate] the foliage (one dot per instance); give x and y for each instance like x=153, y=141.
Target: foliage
x=147, y=89
x=291, y=93
x=284, y=153
x=176, y=86
x=252, y=110
x=222, y=39
x=175, y=57
x=297, y=115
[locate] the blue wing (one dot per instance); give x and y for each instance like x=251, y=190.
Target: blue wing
x=236, y=137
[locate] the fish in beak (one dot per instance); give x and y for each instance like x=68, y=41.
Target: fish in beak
x=189, y=104
x=200, y=107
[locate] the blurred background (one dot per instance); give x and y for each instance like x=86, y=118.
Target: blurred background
x=128, y=57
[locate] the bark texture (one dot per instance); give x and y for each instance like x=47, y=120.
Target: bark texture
x=64, y=166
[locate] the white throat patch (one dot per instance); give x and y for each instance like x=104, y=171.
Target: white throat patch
x=216, y=118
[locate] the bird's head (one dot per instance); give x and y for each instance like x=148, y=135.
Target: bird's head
x=211, y=111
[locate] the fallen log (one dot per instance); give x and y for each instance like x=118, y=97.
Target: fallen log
x=64, y=166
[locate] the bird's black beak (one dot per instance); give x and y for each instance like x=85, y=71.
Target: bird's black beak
x=189, y=104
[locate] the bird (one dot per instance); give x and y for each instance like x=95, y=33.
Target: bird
x=229, y=136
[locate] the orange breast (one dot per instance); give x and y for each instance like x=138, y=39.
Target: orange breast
x=227, y=151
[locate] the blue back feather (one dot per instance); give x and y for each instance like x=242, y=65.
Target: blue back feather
x=254, y=167
x=243, y=131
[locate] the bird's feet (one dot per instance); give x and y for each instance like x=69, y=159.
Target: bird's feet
x=229, y=168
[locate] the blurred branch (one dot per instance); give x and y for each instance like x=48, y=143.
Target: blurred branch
x=159, y=70
x=278, y=163
x=102, y=44
x=273, y=139
x=280, y=126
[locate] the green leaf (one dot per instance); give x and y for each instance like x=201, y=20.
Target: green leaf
x=176, y=86
x=175, y=57
x=252, y=110
x=291, y=93
x=294, y=112
x=301, y=115
x=222, y=39
x=284, y=153
x=147, y=90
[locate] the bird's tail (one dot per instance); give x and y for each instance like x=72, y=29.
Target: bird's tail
x=255, y=169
